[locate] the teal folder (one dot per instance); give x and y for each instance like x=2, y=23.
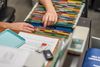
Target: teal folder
x=11, y=39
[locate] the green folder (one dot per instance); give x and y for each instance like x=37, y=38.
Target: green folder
x=11, y=39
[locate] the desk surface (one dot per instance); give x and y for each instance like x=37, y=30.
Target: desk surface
x=73, y=60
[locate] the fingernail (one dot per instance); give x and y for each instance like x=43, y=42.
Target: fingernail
x=44, y=25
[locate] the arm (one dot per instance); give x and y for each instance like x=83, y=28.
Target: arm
x=50, y=16
x=48, y=5
x=19, y=26
x=4, y=24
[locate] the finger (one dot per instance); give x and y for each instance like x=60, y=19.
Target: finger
x=30, y=29
x=45, y=18
x=56, y=18
x=29, y=25
x=51, y=20
x=25, y=30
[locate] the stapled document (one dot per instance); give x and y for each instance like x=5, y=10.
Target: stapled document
x=12, y=57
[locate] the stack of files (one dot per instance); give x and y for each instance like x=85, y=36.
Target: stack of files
x=34, y=42
x=12, y=57
x=67, y=15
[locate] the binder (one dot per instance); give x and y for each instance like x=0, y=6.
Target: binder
x=92, y=58
x=11, y=39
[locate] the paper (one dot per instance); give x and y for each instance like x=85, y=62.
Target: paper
x=34, y=42
x=10, y=57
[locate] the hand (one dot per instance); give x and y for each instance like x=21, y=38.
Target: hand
x=49, y=18
x=21, y=26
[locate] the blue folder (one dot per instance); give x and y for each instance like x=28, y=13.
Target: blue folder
x=11, y=39
x=92, y=58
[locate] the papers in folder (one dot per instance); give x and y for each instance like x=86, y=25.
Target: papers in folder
x=11, y=57
x=67, y=15
x=33, y=41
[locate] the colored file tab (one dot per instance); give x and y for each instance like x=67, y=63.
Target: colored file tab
x=11, y=39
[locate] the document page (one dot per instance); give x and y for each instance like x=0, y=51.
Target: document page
x=34, y=42
x=11, y=57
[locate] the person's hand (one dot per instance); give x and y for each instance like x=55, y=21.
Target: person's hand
x=21, y=26
x=49, y=18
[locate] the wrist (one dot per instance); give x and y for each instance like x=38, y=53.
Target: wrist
x=5, y=25
x=51, y=10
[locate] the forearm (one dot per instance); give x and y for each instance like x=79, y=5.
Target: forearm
x=48, y=5
x=4, y=24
